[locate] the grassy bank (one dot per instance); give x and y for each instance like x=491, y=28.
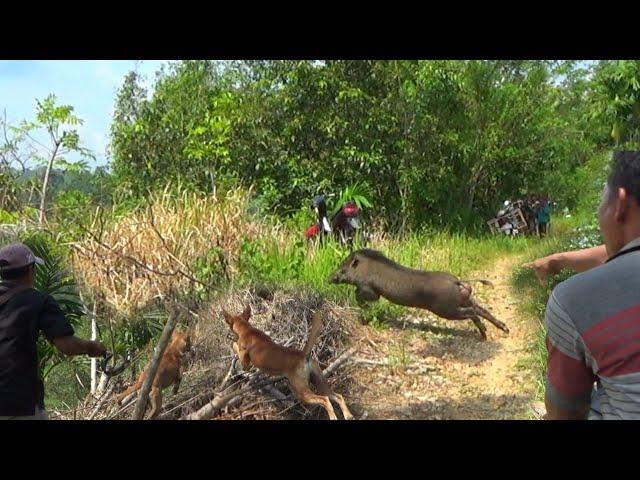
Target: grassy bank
x=574, y=233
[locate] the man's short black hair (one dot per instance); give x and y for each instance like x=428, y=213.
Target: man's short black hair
x=625, y=173
x=15, y=272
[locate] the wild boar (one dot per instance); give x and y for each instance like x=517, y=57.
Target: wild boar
x=375, y=275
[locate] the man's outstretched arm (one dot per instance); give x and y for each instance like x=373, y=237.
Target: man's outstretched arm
x=575, y=260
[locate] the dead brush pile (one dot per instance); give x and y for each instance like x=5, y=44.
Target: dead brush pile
x=131, y=260
x=213, y=372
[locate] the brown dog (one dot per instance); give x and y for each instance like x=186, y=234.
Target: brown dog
x=254, y=347
x=168, y=372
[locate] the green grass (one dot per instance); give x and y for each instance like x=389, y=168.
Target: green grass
x=534, y=296
x=301, y=264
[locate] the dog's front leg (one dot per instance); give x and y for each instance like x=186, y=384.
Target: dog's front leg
x=176, y=385
x=243, y=356
x=156, y=402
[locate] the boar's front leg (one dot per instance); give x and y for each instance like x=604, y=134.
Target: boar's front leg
x=364, y=293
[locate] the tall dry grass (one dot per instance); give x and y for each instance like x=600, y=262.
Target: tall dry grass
x=131, y=260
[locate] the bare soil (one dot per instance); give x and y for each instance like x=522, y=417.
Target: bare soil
x=425, y=367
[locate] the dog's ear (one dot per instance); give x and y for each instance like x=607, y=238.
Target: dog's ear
x=246, y=313
x=227, y=317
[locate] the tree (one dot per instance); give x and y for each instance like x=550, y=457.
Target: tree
x=436, y=142
x=617, y=100
x=153, y=139
x=56, y=121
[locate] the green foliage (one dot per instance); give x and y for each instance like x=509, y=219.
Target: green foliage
x=210, y=271
x=178, y=134
x=359, y=193
x=55, y=119
x=433, y=142
x=8, y=217
x=21, y=149
x=617, y=99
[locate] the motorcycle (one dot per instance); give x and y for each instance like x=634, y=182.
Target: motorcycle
x=510, y=220
x=343, y=224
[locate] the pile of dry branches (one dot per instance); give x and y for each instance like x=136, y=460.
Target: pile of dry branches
x=214, y=385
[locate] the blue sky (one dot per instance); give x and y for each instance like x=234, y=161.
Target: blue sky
x=88, y=85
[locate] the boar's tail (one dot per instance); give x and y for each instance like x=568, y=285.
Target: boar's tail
x=316, y=324
x=481, y=280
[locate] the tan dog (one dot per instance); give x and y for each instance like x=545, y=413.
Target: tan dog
x=254, y=347
x=168, y=372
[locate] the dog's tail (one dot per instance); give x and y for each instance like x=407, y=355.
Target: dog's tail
x=481, y=280
x=316, y=324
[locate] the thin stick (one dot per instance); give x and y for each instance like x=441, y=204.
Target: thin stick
x=101, y=401
x=94, y=361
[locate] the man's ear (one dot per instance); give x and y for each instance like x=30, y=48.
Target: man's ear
x=622, y=205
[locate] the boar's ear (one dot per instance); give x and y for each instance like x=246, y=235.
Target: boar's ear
x=246, y=314
x=354, y=263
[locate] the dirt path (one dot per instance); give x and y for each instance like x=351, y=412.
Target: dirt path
x=437, y=369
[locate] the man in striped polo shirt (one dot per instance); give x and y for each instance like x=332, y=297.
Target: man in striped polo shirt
x=593, y=318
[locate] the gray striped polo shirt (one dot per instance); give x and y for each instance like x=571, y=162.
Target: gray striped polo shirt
x=593, y=335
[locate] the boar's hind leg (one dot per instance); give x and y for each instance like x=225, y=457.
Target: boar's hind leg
x=484, y=313
x=470, y=313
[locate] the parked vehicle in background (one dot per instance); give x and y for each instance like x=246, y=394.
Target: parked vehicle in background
x=344, y=224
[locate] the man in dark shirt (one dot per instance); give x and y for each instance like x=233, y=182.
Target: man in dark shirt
x=24, y=313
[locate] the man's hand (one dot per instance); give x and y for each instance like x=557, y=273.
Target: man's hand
x=95, y=349
x=576, y=261
x=543, y=268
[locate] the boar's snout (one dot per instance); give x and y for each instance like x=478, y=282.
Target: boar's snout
x=335, y=278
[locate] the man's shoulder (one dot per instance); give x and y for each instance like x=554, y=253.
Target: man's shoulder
x=599, y=292
x=24, y=294
x=594, y=281
x=33, y=294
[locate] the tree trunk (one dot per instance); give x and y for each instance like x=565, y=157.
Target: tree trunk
x=94, y=362
x=472, y=190
x=153, y=367
x=45, y=184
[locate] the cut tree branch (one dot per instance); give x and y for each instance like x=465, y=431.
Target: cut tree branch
x=153, y=367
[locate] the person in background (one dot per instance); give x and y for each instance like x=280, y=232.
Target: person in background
x=543, y=215
x=24, y=313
